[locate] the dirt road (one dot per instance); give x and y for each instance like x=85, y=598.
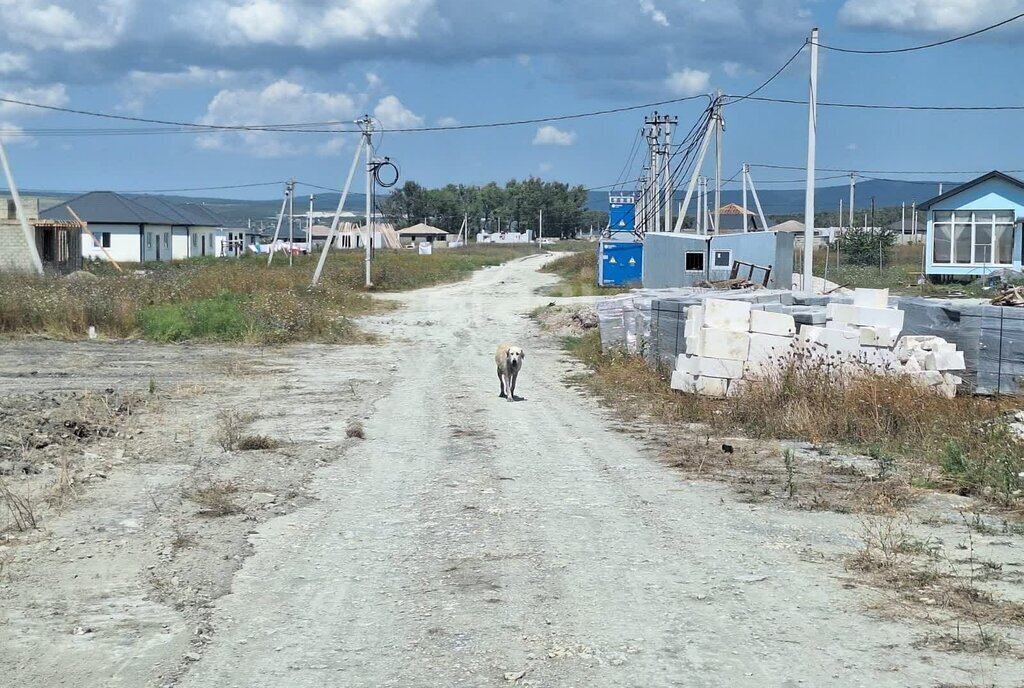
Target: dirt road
x=471, y=541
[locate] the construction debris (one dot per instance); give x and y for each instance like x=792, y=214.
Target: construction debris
x=1009, y=296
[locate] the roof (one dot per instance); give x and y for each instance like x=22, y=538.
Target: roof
x=994, y=174
x=733, y=209
x=108, y=207
x=788, y=226
x=421, y=229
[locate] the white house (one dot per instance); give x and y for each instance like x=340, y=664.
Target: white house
x=139, y=229
x=974, y=229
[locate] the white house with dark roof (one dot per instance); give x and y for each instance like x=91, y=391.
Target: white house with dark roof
x=139, y=229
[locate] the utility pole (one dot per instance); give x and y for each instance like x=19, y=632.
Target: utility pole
x=812, y=126
x=30, y=236
x=309, y=231
x=366, y=124
x=719, y=128
x=903, y=218
x=853, y=183
x=540, y=229
x=913, y=217
x=669, y=188
x=745, y=171
x=291, y=220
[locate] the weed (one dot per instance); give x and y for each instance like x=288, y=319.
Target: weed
x=152, y=386
x=788, y=459
x=355, y=429
x=19, y=507
x=216, y=499
x=256, y=442
x=579, y=275
x=230, y=427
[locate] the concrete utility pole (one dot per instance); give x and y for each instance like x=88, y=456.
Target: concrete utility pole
x=812, y=130
x=743, y=173
x=903, y=219
x=30, y=236
x=291, y=220
x=309, y=223
x=540, y=228
x=669, y=187
x=337, y=213
x=366, y=124
x=277, y=230
x=694, y=176
x=719, y=128
x=853, y=183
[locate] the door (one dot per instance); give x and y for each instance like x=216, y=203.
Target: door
x=203, y=252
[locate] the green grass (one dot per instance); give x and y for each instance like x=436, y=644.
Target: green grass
x=230, y=300
x=578, y=272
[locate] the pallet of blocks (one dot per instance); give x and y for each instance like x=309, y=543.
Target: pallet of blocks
x=729, y=342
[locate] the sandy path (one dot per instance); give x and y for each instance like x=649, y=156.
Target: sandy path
x=468, y=538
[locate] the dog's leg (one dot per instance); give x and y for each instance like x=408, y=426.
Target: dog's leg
x=512, y=385
x=501, y=385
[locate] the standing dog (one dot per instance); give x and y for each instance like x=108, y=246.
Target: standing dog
x=510, y=362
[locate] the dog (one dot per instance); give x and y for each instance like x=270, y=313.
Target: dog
x=510, y=362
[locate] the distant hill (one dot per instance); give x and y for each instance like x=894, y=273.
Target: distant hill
x=790, y=201
x=774, y=201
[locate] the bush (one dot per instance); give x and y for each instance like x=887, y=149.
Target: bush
x=863, y=247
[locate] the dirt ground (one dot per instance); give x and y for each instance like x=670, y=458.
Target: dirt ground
x=465, y=540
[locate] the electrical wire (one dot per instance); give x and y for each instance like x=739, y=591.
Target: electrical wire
x=936, y=44
x=875, y=106
x=772, y=78
x=860, y=172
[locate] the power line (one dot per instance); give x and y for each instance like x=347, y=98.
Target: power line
x=206, y=188
x=875, y=106
x=298, y=127
x=921, y=47
x=771, y=78
x=836, y=169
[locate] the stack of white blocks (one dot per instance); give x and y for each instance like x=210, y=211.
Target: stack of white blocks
x=727, y=342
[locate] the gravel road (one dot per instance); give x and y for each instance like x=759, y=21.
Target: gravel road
x=471, y=541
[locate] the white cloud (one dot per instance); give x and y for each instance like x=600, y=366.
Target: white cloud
x=73, y=26
x=54, y=95
x=688, y=82
x=148, y=82
x=548, y=135
x=373, y=80
x=732, y=69
x=393, y=115
x=287, y=22
x=943, y=16
x=280, y=102
x=851, y=146
x=657, y=16
x=12, y=63
x=448, y=122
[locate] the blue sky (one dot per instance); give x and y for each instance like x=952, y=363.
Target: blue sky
x=429, y=62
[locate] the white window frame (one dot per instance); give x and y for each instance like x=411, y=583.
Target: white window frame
x=703, y=260
x=972, y=219
x=714, y=257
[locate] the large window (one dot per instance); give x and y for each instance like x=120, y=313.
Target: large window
x=978, y=237
x=694, y=261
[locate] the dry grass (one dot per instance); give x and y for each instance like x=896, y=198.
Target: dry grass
x=20, y=508
x=963, y=445
x=215, y=498
x=579, y=274
x=355, y=429
x=229, y=300
x=256, y=443
x=231, y=426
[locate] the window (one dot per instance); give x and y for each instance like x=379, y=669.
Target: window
x=722, y=259
x=149, y=239
x=346, y=241
x=979, y=237
x=195, y=240
x=694, y=261
x=106, y=239
x=167, y=240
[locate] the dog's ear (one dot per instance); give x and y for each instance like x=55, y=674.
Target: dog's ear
x=522, y=354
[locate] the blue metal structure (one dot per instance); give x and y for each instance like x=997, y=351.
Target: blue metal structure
x=619, y=263
x=621, y=213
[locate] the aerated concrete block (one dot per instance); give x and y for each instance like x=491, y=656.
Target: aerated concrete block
x=880, y=317
x=687, y=364
x=727, y=344
x=720, y=367
x=945, y=360
x=733, y=316
x=684, y=382
x=712, y=386
x=871, y=298
x=765, y=347
x=736, y=388
x=778, y=324
x=878, y=336
x=695, y=344
x=842, y=313
x=829, y=341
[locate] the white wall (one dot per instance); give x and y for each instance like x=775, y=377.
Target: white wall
x=124, y=243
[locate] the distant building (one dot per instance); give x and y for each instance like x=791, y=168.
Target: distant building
x=140, y=228
x=57, y=242
x=422, y=232
x=974, y=229
x=731, y=220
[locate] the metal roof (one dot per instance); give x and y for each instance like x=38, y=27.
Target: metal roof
x=994, y=174
x=108, y=207
x=421, y=230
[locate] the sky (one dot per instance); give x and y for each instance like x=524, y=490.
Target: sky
x=415, y=63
